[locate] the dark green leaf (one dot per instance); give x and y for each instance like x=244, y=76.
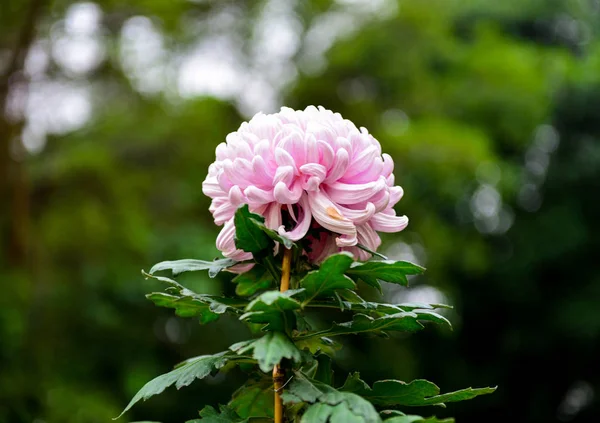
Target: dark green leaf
x=189, y=304
x=248, y=235
x=324, y=372
x=255, y=399
x=371, y=272
x=329, y=404
x=274, y=235
x=196, y=368
x=191, y=265
x=355, y=303
x=252, y=281
x=330, y=277
x=274, y=309
x=184, y=306
x=417, y=419
x=269, y=350
x=416, y=393
x=361, y=323
x=318, y=344
x=210, y=415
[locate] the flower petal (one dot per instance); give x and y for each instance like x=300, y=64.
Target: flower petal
x=285, y=195
x=383, y=222
x=342, y=193
x=328, y=215
x=304, y=220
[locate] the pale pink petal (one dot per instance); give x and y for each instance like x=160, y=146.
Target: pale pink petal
x=304, y=220
x=340, y=164
x=342, y=193
x=358, y=216
x=368, y=237
x=285, y=195
x=388, y=223
x=257, y=195
x=328, y=215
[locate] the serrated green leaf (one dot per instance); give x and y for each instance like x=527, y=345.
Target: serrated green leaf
x=329, y=404
x=254, y=399
x=252, y=281
x=328, y=278
x=371, y=272
x=248, y=235
x=274, y=235
x=192, y=265
x=419, y=392
x=197, y=368
x=423, y=311
x=269, y=350
x=206, y=307
x=361, y=323
x=417, y=419
x=318, y=344
x=187, y=303
x=184, y=306
x=274, y=309
x=357, y=304
x=225, y=415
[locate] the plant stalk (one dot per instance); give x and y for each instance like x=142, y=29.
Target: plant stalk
x=278, y=372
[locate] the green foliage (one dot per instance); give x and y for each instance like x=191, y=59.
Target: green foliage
x=269, y=350
x=224, y=415
x=329, y=278
x=254, y=399
x=417, y=419
x=192, y=265
x=327, y=403
x=256, y=279
x=389, y=271
x=306, y=353
x=249, y=235
x=416, y=393
x=192, y=369
x=274, y=309
x=187, y=303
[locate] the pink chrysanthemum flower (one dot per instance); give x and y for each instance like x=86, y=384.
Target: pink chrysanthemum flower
x=316, y=169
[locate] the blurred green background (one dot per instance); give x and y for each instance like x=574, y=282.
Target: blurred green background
x=111, y=112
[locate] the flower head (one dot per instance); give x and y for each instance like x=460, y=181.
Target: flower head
x=312, y=170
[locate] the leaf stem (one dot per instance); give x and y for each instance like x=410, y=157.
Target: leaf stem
x=278, y=372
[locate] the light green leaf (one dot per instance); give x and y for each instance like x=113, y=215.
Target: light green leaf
x=328, y=278
x=252, y=281
x=371, y=272
x=419, y=392
x=269, y=350
x=196, y=368
x=255, y=399
x=329, y=404
x=192, y=265
x=248, y=235
x=274, y=309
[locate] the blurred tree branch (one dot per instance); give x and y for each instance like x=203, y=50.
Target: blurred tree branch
x=13, y=180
